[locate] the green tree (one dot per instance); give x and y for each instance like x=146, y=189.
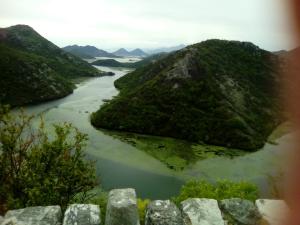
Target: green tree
x=39, y=166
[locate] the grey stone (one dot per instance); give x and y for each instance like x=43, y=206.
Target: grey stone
x=163, y=213
x=273, y=212
x=122, y=208
x=81, y=214
x=239, y=211
x=201, y=211
x=49, y=215
x=1, y=219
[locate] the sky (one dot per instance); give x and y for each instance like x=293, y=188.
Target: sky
x=147, y=24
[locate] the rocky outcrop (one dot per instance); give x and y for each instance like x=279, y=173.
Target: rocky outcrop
x=50, y=215
x=273, y=212
x=80, y=214
x=122, y=208
x=163, y=213
x=201, y=212
x=239, y=211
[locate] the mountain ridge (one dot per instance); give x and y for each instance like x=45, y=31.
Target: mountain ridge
x=88, y=51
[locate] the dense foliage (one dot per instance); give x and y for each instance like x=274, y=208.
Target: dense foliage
x=34, y=69
x=39, y=166
x=216, y=92
x=223, y=189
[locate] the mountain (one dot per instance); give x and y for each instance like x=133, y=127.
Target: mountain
x=115, y=63
x=87, y=52
x=35, y=70
x=121, y=52
x=165, y=49
x=216, y=92
x=134, y=53
x=138, y=52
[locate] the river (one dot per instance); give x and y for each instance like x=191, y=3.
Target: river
x=120, y=165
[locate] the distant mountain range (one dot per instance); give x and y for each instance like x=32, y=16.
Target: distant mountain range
x=134, y=53
x=88, y=52
x=143, y=62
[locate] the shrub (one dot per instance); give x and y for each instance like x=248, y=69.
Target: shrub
x=100, y=199
x=142, y=205
x=223, y=189
x=37, y=168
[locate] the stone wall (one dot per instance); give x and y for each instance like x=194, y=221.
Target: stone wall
x=122, y=210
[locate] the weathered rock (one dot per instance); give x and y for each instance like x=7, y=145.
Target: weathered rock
x=272, y=211
x=201, y=211
x=239, y=211
x=80, y=214
x=163, y=213
x=122, y=208
x=49, y=215
x=1, y=219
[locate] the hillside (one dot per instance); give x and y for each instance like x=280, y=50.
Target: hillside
x=88, y=52
x=34, y=70
x=115, y=63
x=217, y=92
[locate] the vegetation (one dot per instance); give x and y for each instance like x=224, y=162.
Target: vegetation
x=115, y=63
x=142, y=206
x=34, y=69
x=96, y=197
x=37, y=168
x=223, y=189
x=217, y=92
x=175, y=153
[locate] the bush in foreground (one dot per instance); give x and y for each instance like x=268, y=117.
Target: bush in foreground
x=37, y=168
x=223, y=189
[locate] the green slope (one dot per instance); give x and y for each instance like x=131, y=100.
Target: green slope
x=216, y=92
x=32, y=69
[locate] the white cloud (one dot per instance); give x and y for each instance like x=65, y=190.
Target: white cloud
x=143, y=23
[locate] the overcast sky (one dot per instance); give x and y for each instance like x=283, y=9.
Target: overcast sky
x=110, y=24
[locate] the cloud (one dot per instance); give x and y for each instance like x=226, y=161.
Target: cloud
x=143, y=23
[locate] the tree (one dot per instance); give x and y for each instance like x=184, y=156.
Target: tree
x=39, y=166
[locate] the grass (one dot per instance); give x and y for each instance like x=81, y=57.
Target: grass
x=174, y=153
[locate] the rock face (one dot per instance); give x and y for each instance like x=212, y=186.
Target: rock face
x=239, y=212
x=80, y=214
x=50, y=215
x=273, y=212
x=163, y=213
x=122, y=208
x=201, y=212
x=1, y=219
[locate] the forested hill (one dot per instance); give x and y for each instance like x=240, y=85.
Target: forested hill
x=33, y=69
x=217, y=92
